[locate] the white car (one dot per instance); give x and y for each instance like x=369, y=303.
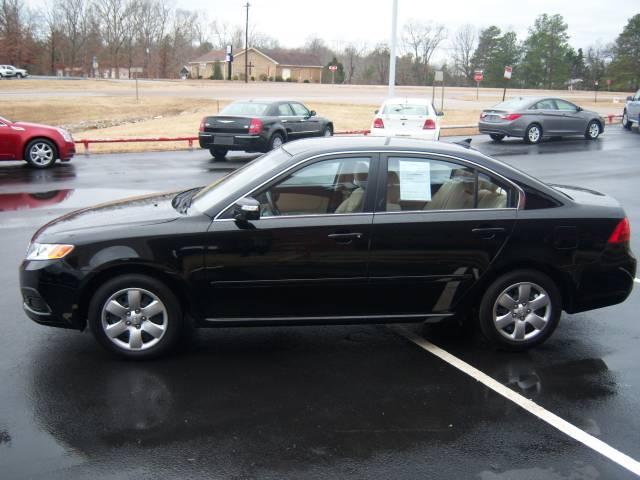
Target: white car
x=407, y=117
x=7, y=71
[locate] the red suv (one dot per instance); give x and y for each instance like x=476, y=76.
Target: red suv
x=39, y=145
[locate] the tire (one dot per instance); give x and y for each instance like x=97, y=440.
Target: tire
x=275, y=141
x=496, y=137
x=530, y=135
x=19, y=75
x=523, y=326
x=625, y=121
x=220, y=154
x=157, y=335
x=41, y=153
x=593, y=130
x=328, y=131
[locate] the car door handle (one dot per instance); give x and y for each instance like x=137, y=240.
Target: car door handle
x=284, y=121
x=487, y=233
x=344, y=238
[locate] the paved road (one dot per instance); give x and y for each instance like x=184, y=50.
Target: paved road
x=313, y=402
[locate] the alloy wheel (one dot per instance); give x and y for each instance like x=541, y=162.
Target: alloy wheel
x=41, y=154
x=522, y=311
x=594, y=130
x=534, y=134
x=134, y=319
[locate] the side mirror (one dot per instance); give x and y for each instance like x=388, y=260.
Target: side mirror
x=629, y=99
x=246, y=209
x=440, y=114
x=312, y=113
x=579, y=109
x=376, y=111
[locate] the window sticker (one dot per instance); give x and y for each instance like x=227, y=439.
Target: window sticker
x=415, y=181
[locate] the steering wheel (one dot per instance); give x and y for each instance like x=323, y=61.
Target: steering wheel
x=272, y=204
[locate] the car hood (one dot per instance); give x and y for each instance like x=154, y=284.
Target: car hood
x=129, y=213
x=31, y=125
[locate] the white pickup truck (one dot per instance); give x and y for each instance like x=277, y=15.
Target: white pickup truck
x=631, y=114
x=7, y=71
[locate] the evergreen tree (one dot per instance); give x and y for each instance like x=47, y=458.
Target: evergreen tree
x=625, y=66
x=338, y=75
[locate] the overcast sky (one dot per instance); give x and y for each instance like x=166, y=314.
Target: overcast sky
x=342, y=21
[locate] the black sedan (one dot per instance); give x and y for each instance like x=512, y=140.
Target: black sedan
x=334, y=231
x=260, y=126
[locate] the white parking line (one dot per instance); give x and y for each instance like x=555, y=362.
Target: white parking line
x=552, y=419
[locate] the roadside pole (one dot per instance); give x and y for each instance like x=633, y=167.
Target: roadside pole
x=595, y=85
x=137, y=96
x=392, y=60
x=507, y=76
x=478, y=76
x=229, y=59
x=246, y=46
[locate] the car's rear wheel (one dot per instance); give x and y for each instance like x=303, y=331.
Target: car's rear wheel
x=275, y=141
x=593, y=130
x=496, y=137
x=219, y=153
x=625, y=121
x=533, y=134
x=41, y=153
x=520, y=310
x=135, y=316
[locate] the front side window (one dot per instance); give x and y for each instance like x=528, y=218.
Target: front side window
x=415, y=184
x=545, y=105
x=566, y=106
x=325, y=187
x=300, y=110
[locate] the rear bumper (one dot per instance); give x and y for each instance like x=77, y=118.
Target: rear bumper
x=507, y=129
x=247, y=143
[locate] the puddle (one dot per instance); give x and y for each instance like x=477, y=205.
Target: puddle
x=64, y=199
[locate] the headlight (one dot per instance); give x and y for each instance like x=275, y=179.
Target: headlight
x=47, y=251
x=66, y=135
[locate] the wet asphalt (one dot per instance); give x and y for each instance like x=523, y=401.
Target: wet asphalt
x=310, y=402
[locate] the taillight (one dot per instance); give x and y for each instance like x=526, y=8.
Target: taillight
x=255, y=126
x=378, y=123
x=202, y=122
x=429, y=124
x=511, y=116
x=483, y=114
x=622, y=232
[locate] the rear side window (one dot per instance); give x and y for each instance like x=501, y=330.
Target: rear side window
x=536, y=201
x=545, y=105
x=284, y=110
x=423, y=184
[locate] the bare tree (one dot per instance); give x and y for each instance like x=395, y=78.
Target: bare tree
x=73, y=16
x=151, y=24
x=422, y=40
x=113, y=15
x=463, y=46
x=351, y=57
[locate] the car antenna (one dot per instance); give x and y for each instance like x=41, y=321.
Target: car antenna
x=466, y=143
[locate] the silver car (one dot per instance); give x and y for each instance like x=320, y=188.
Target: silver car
x=536, y=118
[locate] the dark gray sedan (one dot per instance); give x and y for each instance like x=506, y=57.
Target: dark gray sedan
x=536, y=118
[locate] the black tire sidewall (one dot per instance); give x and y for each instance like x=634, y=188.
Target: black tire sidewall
x=526, y=134
x=41, y=140
x=174, y=311
x=626, y=124
x=324, y=131
x=219, y=153
x=485, y=313
x=496, y=137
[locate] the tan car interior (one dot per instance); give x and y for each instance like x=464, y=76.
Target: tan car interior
x=455, y=194
x=355, y=201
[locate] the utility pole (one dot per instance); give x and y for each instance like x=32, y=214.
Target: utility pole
x=392, y=60
x=246, y=46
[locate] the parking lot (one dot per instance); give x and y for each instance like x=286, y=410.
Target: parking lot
x=313, y=402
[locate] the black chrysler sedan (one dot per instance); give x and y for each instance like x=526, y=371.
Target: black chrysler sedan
x=334, y=231
x=259, y=126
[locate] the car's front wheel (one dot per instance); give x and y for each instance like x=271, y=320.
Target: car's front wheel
x=19, y=75
x=533, y=134
x=520, y=310
x=625, y=121
x=496, y=137
x=328, y=131
x=593, y=130
x=219, y=153
x=41, y=153
x=135, y=316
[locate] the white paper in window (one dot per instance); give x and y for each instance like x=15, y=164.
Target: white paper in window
x=415, y=181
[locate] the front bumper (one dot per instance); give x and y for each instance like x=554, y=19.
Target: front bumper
x=67, y=151
x=49, y=293
x=242, y=142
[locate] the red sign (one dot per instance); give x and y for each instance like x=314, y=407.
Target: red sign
x=609, y=81
x=333, y=68
x=478, y=75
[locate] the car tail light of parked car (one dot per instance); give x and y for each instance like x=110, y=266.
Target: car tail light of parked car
x=255, y=126
x=511, y=117
x=429, y=124
x=622, y=232
x=202, y=124
x=378, y=123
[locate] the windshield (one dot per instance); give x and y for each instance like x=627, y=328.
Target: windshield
x=234, y=182
x=245, y=109
x=5, y=120
x=406, y=109
x=512, y=104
